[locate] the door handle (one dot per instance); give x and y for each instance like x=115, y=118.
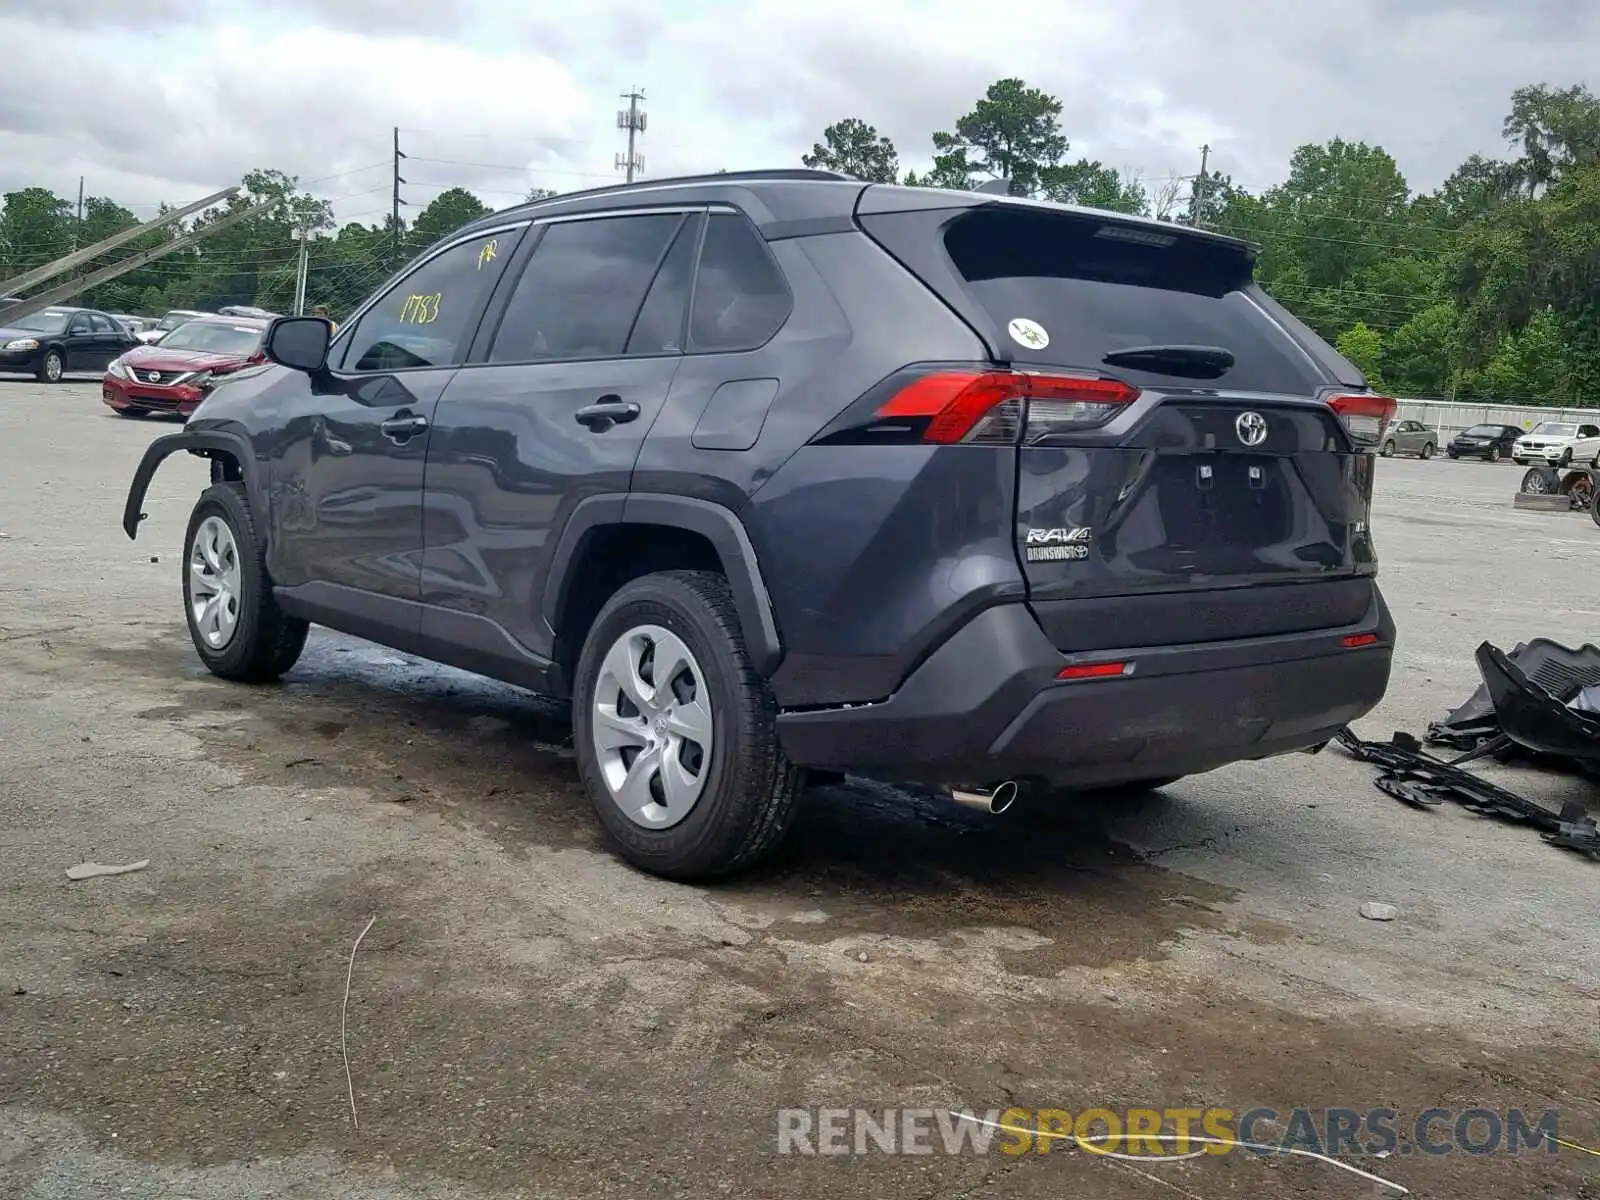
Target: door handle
x=404, y=427
x=606, y=412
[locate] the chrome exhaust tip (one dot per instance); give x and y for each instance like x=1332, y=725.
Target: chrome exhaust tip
x=991, y=800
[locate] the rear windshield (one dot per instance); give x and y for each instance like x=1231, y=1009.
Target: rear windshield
x=1092, y=287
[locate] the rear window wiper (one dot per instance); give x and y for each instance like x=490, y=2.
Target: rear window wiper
x=1190, y=362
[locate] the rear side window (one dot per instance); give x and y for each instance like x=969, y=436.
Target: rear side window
x=582, y=288
x=740, y=297
x=1067, y=291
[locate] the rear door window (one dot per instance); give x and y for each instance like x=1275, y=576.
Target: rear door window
x=583, y=287
x=1066, y=290
x=659, y=327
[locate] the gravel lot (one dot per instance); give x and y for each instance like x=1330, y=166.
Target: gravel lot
x=529, y=1018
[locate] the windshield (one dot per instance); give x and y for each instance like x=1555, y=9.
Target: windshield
x=49, y=321
x=214, y=337
x=1555, y=429
x=1484, y=431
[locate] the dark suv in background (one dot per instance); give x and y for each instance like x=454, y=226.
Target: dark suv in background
x=780, y=472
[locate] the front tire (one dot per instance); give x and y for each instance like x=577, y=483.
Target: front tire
x=684, y=772
x=1426, y=452
x=1388, y=450
x=1494, y=454
x=1566, y=458
x=51, y=367
x=234, y=621
x=1540, y=481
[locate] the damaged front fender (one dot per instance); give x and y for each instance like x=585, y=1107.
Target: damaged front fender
x=204, y=443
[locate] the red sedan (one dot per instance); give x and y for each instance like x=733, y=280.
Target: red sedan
x=175, y=375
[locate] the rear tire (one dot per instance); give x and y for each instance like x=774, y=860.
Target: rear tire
x=745, y=793
x=234, y=620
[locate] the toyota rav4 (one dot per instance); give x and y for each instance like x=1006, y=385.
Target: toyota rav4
x=777, y=474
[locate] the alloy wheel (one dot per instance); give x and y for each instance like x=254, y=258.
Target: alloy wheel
x=652, y=726
x=53, y=367
x=214, y=580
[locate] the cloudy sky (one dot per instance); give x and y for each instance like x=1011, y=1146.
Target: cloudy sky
x=157, y=100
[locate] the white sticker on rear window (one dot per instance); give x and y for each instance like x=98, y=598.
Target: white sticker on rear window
x=1028, y=333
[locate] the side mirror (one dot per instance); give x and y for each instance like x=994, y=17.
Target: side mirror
x=300, y=343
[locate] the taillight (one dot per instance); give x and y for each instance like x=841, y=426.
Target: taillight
x=996, y=407
x=1365, y=417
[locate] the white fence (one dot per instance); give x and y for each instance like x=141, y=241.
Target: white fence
x=1449, y=417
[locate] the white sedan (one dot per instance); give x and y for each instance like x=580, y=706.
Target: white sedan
x=1559, y=443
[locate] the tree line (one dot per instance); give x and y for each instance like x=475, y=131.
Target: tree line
x=1486, y=288
x=255, y=261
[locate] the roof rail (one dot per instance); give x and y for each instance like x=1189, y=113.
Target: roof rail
x=794, y=174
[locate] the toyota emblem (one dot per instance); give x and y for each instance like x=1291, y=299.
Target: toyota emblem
x=1251, y=428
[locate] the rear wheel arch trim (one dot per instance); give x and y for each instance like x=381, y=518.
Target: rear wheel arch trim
x=195, y=441
x=717, y=524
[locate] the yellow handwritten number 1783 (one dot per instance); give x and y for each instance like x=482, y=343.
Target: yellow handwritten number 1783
x=420, y=309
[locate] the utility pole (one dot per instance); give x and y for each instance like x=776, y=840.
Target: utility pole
x=302, y=272
x=77, y=228
x=1202, y=186
x=632, y=119
x=394, y=233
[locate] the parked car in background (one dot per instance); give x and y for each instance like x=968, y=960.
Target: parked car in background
x=1488, y=442
x=1559, y=443
x=1410, y=437
x=54, y=341
x=134, y=325
x=168, y=323
x=176, y=374
x=787, y=472
x=245, y=310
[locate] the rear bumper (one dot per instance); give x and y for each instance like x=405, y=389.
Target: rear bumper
x=987, y=706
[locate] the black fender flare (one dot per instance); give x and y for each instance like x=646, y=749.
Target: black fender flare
x=196, y=441
x=717, y=524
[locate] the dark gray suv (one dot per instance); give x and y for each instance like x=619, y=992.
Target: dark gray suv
x=775, y=474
